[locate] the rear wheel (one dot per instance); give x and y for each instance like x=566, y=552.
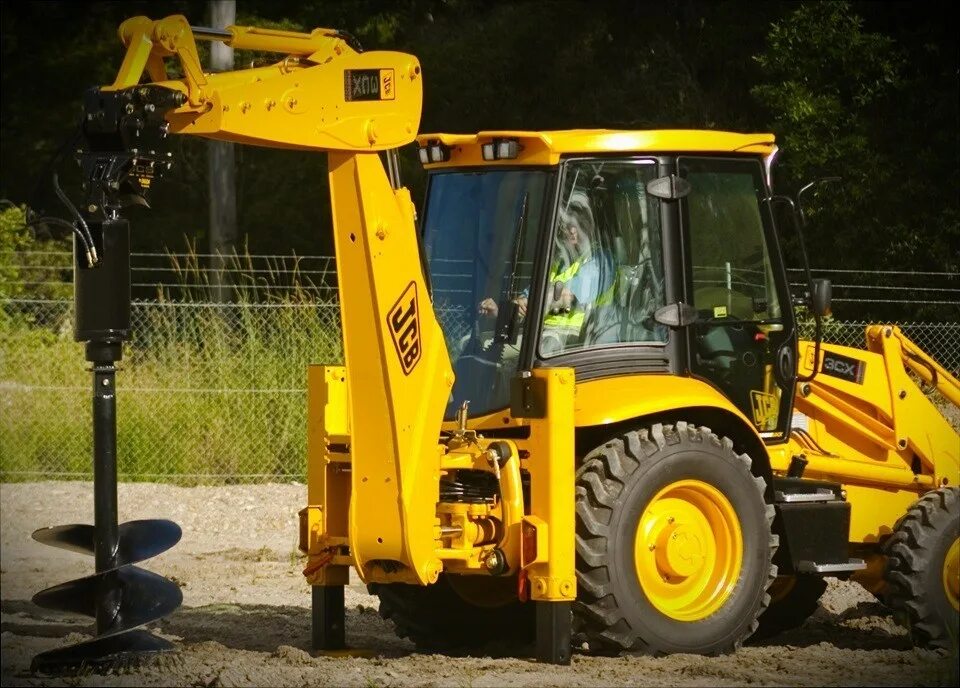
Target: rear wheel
x=793, y=600
x=451, y=615
x=923, y=573
x=674, y=548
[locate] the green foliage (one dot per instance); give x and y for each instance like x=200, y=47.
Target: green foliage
x=12, y=240
x=30, y=266
x=204, y=389
x=882, y=114
x=217, y=428
x=822, y=75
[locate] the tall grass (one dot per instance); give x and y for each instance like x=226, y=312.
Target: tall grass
x=206, y=392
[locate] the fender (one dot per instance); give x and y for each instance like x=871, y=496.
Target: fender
x=644, y=395
x=614, y=400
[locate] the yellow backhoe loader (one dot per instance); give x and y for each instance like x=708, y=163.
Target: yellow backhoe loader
x=573, y=408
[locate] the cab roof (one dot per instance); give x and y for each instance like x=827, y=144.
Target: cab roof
x=546, y=147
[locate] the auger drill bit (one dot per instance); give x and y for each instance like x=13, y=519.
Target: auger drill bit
x=119, y=596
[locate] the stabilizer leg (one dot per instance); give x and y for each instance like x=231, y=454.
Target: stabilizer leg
x=553, y=632
x=328, y=618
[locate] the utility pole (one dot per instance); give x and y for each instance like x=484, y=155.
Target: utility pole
x=222, y=168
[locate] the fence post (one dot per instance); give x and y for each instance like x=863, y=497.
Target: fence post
x=222, y=169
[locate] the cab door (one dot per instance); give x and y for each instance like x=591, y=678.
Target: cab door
x=744, y=339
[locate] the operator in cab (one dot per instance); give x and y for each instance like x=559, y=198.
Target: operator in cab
x=580, y=276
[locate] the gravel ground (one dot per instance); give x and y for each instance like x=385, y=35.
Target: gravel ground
x=245, y=618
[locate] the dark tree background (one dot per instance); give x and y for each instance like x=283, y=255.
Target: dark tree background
x=868, y=91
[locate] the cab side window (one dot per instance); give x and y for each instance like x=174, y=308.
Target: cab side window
x=731, y=270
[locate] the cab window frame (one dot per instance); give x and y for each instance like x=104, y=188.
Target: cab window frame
x=771, y=239
x=615, y=358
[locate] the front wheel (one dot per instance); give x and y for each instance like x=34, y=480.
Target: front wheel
x=674, y=543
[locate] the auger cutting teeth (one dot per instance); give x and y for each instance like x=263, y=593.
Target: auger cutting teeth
x=100, y=652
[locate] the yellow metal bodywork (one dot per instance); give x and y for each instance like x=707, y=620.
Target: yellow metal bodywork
x=914, y=358
x=329, y=522
x=883, y=422
x=398, y=374
x=483, y=527
x=688, y=550
x=393, y=346
x=881, y=438
x=951, y=574
x=298, y=103
x=324, y=531
x=604, y=401
x=552, y=575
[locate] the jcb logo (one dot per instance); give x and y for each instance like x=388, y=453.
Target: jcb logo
x=386, y=84
x=765, y=410
x=403, y=322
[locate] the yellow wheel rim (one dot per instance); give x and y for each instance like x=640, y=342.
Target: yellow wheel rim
x=951, y=574
x=688, y=550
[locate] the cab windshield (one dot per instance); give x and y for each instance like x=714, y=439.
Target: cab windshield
x=480, y=239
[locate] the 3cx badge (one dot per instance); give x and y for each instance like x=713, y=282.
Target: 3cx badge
x=849, y=369
x=403, y=321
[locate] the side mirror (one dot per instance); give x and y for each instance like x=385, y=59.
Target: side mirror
x=676, y=315
x=820, y=298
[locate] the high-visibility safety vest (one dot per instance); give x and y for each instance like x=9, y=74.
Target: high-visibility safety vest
x=572, y=323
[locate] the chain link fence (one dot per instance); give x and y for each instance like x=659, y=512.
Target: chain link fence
x=206, y=392
x=939, y=340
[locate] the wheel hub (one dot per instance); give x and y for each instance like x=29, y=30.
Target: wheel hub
x=688, y=550
x=951, y=574
x=680, y=551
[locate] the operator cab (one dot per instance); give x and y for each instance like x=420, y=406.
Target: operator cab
x=572, y=249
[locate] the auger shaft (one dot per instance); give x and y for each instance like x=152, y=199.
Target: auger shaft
x=106, y=525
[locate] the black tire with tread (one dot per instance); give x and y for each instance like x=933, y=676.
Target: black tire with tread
x=791, y=610
x=614, y=483
x=915, y=555
x=437, y=619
